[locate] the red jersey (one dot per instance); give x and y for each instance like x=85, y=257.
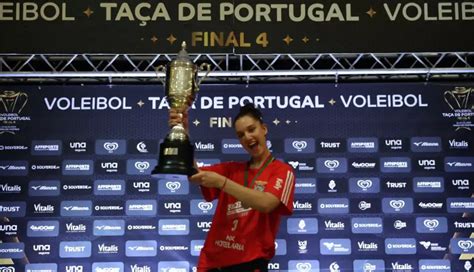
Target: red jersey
x=240, y=234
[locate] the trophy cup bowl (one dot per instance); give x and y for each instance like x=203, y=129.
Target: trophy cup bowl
x=181, y=86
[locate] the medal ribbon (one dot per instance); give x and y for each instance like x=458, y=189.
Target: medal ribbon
x=246, y=173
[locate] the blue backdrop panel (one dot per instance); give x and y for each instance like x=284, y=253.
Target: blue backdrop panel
x=384, y=176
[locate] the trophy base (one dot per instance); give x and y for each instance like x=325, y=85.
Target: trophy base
x=176, y=157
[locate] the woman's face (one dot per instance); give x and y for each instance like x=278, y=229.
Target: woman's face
x=252, y=135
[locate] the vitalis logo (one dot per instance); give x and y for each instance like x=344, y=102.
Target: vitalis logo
x=461, y=103
x=12, y=103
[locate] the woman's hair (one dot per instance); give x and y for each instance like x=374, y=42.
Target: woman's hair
x=248, y=110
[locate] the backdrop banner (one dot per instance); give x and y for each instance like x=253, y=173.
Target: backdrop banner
x=384, y=176
x=241, y=26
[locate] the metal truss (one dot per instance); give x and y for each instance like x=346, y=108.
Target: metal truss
x=110, y=68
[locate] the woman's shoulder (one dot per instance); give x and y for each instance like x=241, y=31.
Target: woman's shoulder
x=279, y=163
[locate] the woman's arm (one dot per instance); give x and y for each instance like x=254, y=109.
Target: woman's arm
x=260, y=201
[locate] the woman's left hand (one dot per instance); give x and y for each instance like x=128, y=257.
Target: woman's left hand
x=208, y=179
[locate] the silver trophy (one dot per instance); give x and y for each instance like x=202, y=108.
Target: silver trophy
x=181, y=86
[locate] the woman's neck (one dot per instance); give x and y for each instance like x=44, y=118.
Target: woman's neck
x=257, y=162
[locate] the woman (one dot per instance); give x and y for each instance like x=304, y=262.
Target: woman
x=252, y=197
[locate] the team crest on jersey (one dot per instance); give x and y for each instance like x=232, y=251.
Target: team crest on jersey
x=260, y=185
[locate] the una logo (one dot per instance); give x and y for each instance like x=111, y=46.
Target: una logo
x=173, y=185
x=294, y=164
x=364, y=183
x=299, y=145
x=142, y=165
x=431, y=223
x=205, y=206
x=303, y=267
x=465, y=244
x=331, y=164
x=397, y=204
x=111, y=146
x=7, y=269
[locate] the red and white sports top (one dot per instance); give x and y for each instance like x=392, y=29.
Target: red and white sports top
x=239, y=234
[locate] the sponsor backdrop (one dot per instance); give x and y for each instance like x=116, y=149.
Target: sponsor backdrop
x=384, y=176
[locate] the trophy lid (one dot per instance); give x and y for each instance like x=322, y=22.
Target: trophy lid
x=183, y=54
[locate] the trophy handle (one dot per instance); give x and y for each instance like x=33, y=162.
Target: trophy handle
x=161, y=69
x=208, y=68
